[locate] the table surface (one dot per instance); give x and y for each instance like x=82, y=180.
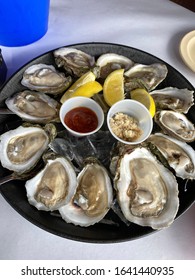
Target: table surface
x=154, y=26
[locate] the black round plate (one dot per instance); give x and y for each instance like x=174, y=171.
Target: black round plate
x=14, y=191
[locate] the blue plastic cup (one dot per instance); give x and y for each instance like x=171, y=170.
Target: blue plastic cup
x=23, y=22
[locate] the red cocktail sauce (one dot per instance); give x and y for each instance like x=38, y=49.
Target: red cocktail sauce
x=81, y=119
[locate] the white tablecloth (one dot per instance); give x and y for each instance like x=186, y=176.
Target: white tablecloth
x=155, y=26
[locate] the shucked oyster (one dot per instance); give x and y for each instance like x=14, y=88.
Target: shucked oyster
x=148, y=76
x=34, y=106
x=180, y=156
x=22, y=147
x=45, y=78
x=111, y=61
x=175, y=124
x=92, y=199
x=147, y=191
x=173, y=98
x=74, y=61
x=53, y=186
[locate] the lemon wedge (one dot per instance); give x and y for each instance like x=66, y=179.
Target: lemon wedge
x=113, y=88
x=88, y=89
x=142, y=96
x=87, y=77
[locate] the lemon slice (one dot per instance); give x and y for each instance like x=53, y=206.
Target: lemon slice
x=88, y=89
x=145, y=98
x=87, y=77
x=113, y=88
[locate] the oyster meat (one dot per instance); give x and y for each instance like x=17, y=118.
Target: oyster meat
x=53, y=186
x=180, y=156
x=173, y=98
x=147, y=191
x=34, y=106
x=148, y=76
x=45, y=78
x=22, y=147
x=175, y=124
x=75, y=62
x=92, y=199
x=111, y=61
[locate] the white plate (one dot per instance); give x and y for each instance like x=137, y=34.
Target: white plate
x=187, y=49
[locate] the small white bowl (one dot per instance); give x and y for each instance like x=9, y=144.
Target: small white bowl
x=136, y=110
x=75, y=102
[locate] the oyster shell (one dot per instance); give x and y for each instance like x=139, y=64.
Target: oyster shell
x=22, y=147
x=45, y=78
x=180, y=156
x=34, y=106
x=173, y=98
x=148, y=76
x=147, y=191
x=74, y=61
x=93, y=197
x=53, y=186
x=175, y=124
x=111, y=61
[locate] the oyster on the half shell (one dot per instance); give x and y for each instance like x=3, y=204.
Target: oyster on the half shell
x=147, y=191
x=45, y=78
x=179, y=155
x=93, y=196
x=53, y=186
x=175, y=124
x=148, y=76
x=173, y=98
x=111, y=61
x=21, y=148
x=75, y=62
x=34, y=106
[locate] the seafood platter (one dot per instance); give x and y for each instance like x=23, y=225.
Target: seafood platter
x=95, y=188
